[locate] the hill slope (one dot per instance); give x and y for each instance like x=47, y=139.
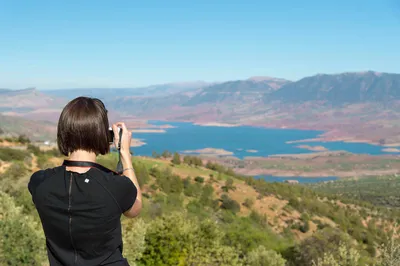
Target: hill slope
x=341, y=89
x=37, y=130
x=186, y=205
x=362, y=106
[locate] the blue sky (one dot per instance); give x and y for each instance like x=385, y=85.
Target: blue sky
x=65, y=44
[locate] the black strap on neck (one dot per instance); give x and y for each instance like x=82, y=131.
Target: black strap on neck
x=87, y=164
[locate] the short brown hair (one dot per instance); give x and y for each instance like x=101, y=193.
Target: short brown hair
x=83, y=125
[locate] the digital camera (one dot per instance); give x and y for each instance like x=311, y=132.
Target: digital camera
x=111, y=134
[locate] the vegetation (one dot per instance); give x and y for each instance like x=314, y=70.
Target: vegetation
x=379, y=191
x=176, y=159
x=192, y=218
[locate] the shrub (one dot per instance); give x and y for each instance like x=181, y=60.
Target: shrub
x=263, y=257
x=390, y=251
x=206, y=197
x=229, y=204
x=261, y=220
x=248, y=203
x=315, y=247
x=9, y=154
x=176, y=159
x=341, y=256
x=141, y=173
x=21, y=238
x=228, y=185
x=134, y=232
x=34, y=149
x=10, y=177
x=166, y=154
x=177, y=240
x=23, y=139
x=199, y=179
x=305, y=227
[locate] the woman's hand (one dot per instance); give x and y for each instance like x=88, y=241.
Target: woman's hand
x=125, y=142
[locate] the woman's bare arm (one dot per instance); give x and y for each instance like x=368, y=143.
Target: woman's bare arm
x=126, y=160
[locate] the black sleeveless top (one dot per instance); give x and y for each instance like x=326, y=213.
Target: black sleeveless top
x=80, y=214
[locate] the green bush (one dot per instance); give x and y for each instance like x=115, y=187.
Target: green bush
x=263, y=257
x=229, y=204
x=9, y=179
x=176, y=159
x=9, y=154
x=34, y=149
x=134, y=232
x=23, y=139
x=199, y=179
x=166, y=154
x=178, y=240
x=21, y=238
x=248, y=203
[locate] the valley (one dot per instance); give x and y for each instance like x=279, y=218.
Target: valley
x=354, y=106
x=318, y=126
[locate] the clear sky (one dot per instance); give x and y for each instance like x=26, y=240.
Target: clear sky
x=83, y=43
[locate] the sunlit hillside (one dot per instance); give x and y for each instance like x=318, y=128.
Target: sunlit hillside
x=199, y=213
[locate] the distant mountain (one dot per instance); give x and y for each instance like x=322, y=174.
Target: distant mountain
x=345, y=88
x=275, y=83
x=34, y=129
x=253, y=89
x=27, y=100
x=111, y=93
x=361, y=105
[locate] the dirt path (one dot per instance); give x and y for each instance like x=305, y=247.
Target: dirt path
x=34, y=164
x=4, y=166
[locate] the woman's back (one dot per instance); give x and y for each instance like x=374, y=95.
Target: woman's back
x=80, y=214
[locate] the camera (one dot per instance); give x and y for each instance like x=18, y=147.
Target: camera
x=111, y=134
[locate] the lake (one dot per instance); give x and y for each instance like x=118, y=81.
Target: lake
x=239, y=140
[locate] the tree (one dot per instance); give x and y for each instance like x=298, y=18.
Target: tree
x=199, y=179
x=176, y=159
x=228, y=185
x=341, y=256
x=206, y=197
x=23, y=139
x=263, y=257
x=141, y=173
x=187, y=160
x=166, y=154
x=134, y=238
x=229, y=204
x=248, y=203
x=175, y=239
x=318, y=245
x=21, y=237
x=154, y=154
x=197, y=161
x=390, y=251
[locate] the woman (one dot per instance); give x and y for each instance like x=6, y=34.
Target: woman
x=80, y=203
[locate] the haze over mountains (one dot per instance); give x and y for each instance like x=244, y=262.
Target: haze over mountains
x=357, y=105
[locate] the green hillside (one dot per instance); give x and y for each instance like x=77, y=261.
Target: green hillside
x=199, y=213
x=379, y=191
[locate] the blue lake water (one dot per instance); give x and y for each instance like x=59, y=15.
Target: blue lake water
x=186, y=136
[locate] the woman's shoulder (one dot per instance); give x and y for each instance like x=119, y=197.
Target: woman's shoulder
x=40, y=176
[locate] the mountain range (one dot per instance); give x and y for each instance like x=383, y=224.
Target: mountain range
x=352, y=105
